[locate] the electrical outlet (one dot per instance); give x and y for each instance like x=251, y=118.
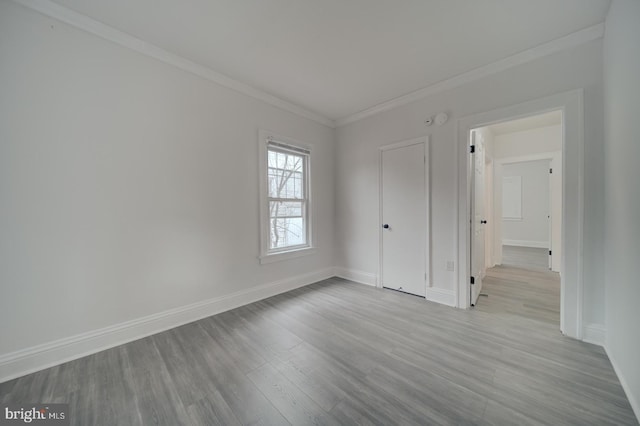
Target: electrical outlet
x=450, y=266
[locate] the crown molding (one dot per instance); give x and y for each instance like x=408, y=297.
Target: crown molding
x=569, y=41
x=83, y=22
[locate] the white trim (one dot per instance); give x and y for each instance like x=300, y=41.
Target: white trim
x=356, y=276
x=634, y=400
x=287, y=255
x=442, y=296
x=549, y=155
x=270, y=256
x=567, y=42
x=526, y=243
x=92, y=26
x=83, y=22
x=427, y=199
x=405, y=143
x=433, y=294
x=594, y=333
x=35, y=358
x=571, y=104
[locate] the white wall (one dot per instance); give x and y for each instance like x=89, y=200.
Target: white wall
x=622, y=150
x=528, y=142
x=533, y=229
x=357, y=192
x=128, y=187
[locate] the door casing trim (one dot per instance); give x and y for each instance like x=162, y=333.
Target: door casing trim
x=572, y=106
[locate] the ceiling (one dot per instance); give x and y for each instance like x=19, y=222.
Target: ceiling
x=339, y=57
x=536, y=121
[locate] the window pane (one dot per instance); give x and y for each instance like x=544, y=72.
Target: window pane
x=285, y=209
x=286, y=223
x=285, y=174
x=287, y=232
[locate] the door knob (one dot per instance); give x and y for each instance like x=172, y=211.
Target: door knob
x=483, y=221
x=385, y=226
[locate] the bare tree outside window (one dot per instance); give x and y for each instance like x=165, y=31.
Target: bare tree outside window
x=287, y=199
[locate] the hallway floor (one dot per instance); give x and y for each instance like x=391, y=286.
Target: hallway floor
x=526, y=257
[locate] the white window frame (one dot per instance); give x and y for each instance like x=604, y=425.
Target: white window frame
x=268, y=255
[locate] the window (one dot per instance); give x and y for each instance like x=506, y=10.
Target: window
x=512, y=198
x=285, y=201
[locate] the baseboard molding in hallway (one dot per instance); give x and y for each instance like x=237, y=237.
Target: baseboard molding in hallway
x=634, y=400
x=594, y=333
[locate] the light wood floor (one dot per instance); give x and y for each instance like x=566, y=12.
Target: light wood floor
x=337, y=352
x=526, y=257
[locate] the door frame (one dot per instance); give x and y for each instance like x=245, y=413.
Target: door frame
x=427, y=238
x=571, y=288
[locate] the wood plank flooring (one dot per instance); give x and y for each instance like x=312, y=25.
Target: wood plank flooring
x=532, y=258
x=337, y=352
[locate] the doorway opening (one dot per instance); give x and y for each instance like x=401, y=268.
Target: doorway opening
x=516, y=210
x=572, y=233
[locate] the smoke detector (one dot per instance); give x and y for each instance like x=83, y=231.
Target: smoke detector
x=441, y=118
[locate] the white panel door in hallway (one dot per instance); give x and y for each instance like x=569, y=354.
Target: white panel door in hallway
x=404, y=224
x=478, y=221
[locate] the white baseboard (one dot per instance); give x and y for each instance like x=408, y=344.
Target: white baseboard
x=526, y=243
x=35, y=358
x=594, y=333
x=439, y=295
x=360, y=277
x=634, y=400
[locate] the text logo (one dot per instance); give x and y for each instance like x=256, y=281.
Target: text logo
x=34, y=414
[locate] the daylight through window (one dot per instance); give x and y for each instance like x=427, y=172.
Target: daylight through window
x=287, y=196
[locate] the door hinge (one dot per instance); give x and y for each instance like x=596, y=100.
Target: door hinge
x=549, y=252
x=550, y=171
x=473, y=280
x=472, y=149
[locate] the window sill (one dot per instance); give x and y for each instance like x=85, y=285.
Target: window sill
x=286, y=255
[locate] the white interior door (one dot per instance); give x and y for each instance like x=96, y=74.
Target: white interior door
x=404, y=232
x=478, y=220
x=549, y=214
x=556, y=212
x=488, y=209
